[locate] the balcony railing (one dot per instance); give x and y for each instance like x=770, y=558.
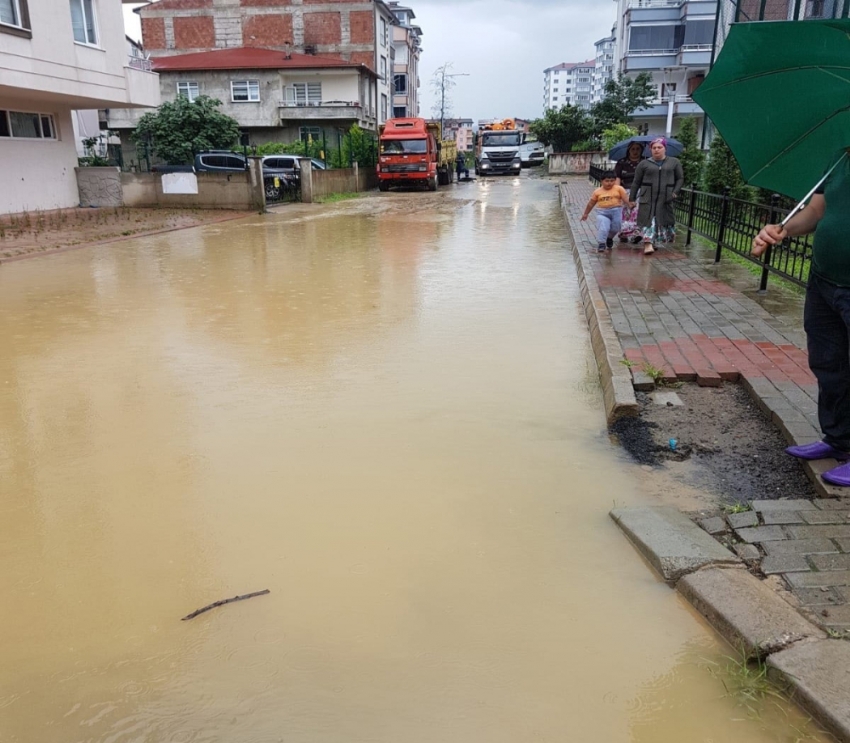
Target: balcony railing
x=655, y=3
x=139, y=63
x=696, y=48
x=320, y=104
x=651, y=52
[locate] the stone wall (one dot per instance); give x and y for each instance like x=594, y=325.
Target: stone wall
x=215, y=191
x=99, y=186
x=575, y=163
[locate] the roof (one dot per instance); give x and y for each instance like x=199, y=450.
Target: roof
x=572, y=65
x=250, y=58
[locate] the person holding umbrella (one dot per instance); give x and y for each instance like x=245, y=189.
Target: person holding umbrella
x=625, y=172
x=826, y=316
x=656, y=186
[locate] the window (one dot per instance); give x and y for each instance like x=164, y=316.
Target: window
x=244, y=91
x=820, y=9
x=399, y=112
x=383, y=107
x=188, y=90
x=25, y=125
x=656, y=38
x=699, y=33
x=383, y=32
x=310, y=133
x=82, y=21
x=304, y=94
x=383, y=68
x=400, y=84
x=14, y=13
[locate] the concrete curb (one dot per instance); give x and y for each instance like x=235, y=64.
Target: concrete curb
x=617, y=390
x=747, y=613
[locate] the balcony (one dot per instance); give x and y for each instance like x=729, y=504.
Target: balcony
x=650, y=59
x=142, y=86
x=684, y=106
x=695, y=55
x=290, y=110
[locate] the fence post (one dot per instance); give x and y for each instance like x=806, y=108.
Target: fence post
x=721, y=230
x=691, y=210
x=765, y=258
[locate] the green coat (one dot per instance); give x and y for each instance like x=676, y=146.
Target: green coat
x=657, y=186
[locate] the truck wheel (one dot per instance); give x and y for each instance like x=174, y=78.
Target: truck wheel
x=383, y=186
x=432, y=184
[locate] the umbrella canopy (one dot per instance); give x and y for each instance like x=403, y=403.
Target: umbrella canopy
x=621, y=149
x=779, y=93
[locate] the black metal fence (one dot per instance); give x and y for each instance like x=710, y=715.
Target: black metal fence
x=281, y=189
x=731, y=224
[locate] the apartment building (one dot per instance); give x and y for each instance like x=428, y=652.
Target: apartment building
x=672, y=41
x=569, y=83
x=58, y=56
x=603, y=70
x=461, y=131
x=356, y=31
x=407, y=48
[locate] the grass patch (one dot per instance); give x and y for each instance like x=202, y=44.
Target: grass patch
x=333, y=198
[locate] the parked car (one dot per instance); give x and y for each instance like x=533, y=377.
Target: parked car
x=289, y=163
x=531, y=154
x=220, y=161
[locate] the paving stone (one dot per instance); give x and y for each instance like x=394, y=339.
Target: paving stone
x=826, y=517
x=790, y=563
x=741, y=520
x=783, y=517
x=813, y=580
x=839, y=504
x=827, y=531
x=834, y=616
x=748, y=552
x=642, y=382
x=670, y=541
x=819, y=674
x=800, y=504
x=831, y=562
x=760, y=534
x=844, y=544
x=801, y=547
x=714, y=525
x=843, y=592
x=819, y=596
x=745, y=611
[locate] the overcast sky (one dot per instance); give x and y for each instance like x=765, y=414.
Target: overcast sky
x=504, y=45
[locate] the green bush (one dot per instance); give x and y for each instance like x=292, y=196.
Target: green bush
x=692, y=157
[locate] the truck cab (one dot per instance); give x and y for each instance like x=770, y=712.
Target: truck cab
x=497, y=150
x=409, y=153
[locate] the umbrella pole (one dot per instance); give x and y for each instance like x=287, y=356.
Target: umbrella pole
x=805, y=199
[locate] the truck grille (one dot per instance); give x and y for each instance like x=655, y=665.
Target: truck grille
x=402, y=168
x=501, y=157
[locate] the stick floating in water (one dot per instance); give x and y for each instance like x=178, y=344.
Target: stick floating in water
x=223, y=602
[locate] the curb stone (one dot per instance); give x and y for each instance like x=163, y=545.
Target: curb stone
x=617, y=390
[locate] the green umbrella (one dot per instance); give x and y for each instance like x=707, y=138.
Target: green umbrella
x=779, y=94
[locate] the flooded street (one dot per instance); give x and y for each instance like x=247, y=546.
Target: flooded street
x=386, y=412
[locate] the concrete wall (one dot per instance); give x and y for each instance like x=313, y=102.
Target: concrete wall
x=39, y=173
x=575, y=163
x=327, y=182
x=215, y=191
x=100, y=186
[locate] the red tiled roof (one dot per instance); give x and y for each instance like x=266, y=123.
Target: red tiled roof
x=247, y=57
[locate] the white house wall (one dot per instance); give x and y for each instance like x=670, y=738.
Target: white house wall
x=39, y=173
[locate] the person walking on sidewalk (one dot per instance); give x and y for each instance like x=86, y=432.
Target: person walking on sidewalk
x=826, y=316
x=609, y=201
x=625, y=172
x=658, y=181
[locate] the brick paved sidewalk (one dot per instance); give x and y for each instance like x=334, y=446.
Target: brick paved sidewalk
x=673, y=313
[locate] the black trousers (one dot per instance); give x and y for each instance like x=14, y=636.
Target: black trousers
x=827, y=322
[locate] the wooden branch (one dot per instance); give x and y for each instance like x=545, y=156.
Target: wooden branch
x=223, y=602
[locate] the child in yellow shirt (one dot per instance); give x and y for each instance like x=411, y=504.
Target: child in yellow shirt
x=609, y=201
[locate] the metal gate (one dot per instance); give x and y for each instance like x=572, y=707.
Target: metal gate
x=281, y=189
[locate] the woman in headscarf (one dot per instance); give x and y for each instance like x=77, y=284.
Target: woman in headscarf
x=625, y=171
x=658, y=182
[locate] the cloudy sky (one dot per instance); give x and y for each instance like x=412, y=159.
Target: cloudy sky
x=504, y=46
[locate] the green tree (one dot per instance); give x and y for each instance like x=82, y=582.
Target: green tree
x=623, y=96
x=561, y=128
x=616, y=133
x=181, y=128
x=692, y=157
x=722, y=171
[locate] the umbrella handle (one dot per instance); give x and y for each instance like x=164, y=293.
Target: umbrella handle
x=805, y=199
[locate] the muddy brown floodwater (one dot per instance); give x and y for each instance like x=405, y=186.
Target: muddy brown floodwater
x=386, y=412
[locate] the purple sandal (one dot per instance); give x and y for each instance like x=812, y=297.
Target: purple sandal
x=838, y=476
x=818, y=450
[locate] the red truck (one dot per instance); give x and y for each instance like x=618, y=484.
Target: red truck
x=411, y=154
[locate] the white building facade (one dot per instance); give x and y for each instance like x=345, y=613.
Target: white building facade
x=672, y=41
x=603, y=70
x=569, y=83
x=407, y=46
x=57, y=56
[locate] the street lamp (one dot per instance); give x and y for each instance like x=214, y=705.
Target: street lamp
x=671, y=97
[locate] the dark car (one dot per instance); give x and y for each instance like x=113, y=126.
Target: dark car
x=217, y=161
